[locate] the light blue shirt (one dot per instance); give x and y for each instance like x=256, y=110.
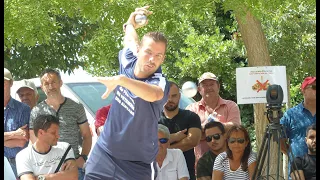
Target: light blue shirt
x=295, y=121
x=8, y=175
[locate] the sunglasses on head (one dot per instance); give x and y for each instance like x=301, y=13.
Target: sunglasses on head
x=214, y=136
x=312, y=87
x=239, y=140
x=163, y=140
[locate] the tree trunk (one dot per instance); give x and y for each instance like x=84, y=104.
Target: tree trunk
x=285, y=157
x=258, y=55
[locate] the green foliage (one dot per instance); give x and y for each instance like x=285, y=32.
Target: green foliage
x=62, y=53
x=203, y=36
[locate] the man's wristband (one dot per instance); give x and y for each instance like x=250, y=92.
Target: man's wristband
x=85, y=157
x=125, y=25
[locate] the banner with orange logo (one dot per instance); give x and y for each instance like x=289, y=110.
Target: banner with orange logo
x=253, y=82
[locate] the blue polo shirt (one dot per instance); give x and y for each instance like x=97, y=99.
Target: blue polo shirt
x=295, y=121
x=16, y=114
x=131, y=129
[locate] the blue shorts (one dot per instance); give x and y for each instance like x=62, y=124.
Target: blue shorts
x=102, y=165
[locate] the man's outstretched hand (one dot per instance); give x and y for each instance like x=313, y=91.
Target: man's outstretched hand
x=111, y=83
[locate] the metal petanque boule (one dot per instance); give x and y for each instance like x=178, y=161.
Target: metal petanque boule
x=189, y=89
x=140, y=19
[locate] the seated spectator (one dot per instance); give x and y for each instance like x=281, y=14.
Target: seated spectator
x=101, y=117
x=171, y=164
x=41, y=160
x=238, y=162
x=306, y=165
x=216, y=141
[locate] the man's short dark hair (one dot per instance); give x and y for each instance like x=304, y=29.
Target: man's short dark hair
x=50, y=71
x=311, y=127
x=213, y=124
x=173, y=84
x=156, y=37
x=44, y=122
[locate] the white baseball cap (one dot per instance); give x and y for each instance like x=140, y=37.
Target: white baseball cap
x=28, y=84
x=7, y=74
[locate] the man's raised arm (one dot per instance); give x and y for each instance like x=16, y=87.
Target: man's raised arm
x=131, y=38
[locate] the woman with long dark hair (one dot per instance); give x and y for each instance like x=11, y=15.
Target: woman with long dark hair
x=238, y=162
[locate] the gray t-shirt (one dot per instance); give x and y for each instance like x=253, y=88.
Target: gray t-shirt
x=71, y=115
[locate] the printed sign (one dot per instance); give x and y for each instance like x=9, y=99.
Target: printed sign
x=253, y=82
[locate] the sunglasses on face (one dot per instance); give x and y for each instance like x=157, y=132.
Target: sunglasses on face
x=312, y=87
x=239, y=140
x=214, y=136
x=163, y=140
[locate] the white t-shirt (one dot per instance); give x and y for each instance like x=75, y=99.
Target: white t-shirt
x=29, y=161
x=222, y=163
x=174, y=166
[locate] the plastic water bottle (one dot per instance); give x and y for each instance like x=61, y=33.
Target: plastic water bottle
x=212, y=117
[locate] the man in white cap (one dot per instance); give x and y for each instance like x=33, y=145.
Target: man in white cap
x=212, y=108
x=28, y=93
x=16, y=122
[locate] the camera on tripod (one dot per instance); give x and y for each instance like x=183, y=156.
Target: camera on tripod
x=273, y=131
x=274, y=98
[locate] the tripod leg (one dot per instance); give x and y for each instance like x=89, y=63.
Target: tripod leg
x=279, y=154
x=261, y=155
x=291, y=158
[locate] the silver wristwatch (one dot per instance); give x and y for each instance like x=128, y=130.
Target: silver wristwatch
x=41, y=177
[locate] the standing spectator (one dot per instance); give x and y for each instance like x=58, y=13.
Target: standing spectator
x=28, y=93
x=42, y=159
x=306, y=165
x=101, y=117
x=16, y=122
x=215, y=137
x=171, y=164
x=72, y=117
x=296, y=120
x=238, y=162
x=184, y=126
x=128, y=145
x=225, y=111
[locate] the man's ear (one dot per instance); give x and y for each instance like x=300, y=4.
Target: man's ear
x=164, y=57
x=40, y=132
x=37, y=97
x=61, y=82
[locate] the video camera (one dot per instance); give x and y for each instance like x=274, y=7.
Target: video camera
x=274, y=97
